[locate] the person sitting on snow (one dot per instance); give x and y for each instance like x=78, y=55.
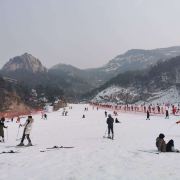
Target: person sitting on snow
x=27, y=129
x=117, y=121
x=160, y=143
x=170, y=147
x=163, y=147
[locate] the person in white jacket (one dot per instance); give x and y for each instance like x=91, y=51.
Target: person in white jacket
x=27, y=129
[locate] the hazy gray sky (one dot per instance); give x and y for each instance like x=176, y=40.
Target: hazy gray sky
x=85, y=33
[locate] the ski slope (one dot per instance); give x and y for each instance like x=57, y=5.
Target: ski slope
x=93, y=157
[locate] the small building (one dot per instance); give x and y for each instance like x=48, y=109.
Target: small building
x=59, y=104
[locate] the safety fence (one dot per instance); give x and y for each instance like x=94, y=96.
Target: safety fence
x=156, y=110
x=13, y=114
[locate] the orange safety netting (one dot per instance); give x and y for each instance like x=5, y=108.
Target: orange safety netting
x=12, y=114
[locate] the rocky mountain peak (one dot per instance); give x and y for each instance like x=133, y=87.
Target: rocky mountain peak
x=25, y=62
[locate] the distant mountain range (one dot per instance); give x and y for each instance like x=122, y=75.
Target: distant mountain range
x=157, y=84
x=72, y=82
x=135, y=59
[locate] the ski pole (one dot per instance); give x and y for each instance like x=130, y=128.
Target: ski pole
x=7, y=133
x=18, y=133
x=105, y=133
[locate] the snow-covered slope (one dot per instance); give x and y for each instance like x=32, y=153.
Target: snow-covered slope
x=93, y=157
x=169, y=96
x=117, y=95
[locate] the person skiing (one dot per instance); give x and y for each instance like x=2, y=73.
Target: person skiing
x=18, y=120
x=27, y=129
x=66, y=112
x=105, y=113
x=2, y=126
x=167, y=113
x=110, y=122
x=45, y=116
x=148, y=115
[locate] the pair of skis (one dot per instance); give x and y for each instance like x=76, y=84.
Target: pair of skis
x=152, y=152
x=47, y=149
x=9, y=152
x=57, y=148
x=108, y=137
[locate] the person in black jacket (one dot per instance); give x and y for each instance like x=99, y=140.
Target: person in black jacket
x=110, y=122
x=1, y=128
x=170, y=147
x=148, y=115
x=105, y=113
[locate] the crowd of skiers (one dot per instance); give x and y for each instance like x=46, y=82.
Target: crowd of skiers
x=151, y=108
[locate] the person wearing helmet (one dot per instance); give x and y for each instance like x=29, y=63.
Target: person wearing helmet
x=110, y=122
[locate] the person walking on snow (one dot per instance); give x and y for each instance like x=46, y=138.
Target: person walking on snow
x=148, y=115
x=45, y=116
x=105, y=113
x=27, y=129
x=110, y=122
x=2, y=126
x=167, y=114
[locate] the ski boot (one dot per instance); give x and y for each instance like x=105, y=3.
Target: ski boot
x=21, y=144
x=109, y=136
x=29, y=144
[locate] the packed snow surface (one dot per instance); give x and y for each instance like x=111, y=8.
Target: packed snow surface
x=130, y=156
